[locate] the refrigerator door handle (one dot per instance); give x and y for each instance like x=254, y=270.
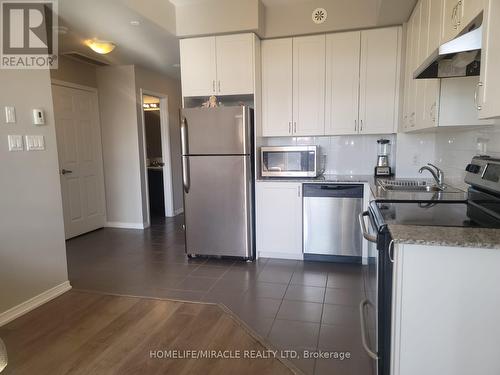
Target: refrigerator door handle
x=184, y=136
x=186, y=179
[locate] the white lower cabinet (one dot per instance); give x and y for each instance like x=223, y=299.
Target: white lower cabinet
x=445, y=310
x=279, y=220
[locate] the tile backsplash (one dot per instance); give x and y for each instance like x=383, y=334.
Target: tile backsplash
x=345, y=155
x=451, y=149
x=455, y=148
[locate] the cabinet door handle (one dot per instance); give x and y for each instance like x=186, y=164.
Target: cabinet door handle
x=476, y=94
x=432, y=112
x=355, y=125
x=294, y=127
x=298, y=191
x=390, y=251
x=219, y=86
x=289, y=127
x=361, y=125
x=213, y=85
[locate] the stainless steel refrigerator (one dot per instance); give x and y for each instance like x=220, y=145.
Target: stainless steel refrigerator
x=217, y=165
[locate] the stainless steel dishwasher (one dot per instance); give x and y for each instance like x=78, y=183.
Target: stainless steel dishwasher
x=331, y=229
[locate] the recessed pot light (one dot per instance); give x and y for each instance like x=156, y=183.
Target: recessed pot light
x=135, y=23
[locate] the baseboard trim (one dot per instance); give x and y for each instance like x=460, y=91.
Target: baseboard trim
x=33, y=303
x=179, y=211
x=122, y=225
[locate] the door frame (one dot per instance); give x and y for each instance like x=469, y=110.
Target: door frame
x=76, y=86
x=166, y=156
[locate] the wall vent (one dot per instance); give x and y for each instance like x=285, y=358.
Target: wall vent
x=319, y=15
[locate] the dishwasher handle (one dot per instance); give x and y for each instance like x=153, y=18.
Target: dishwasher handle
x=366, y=234
x=333, y=190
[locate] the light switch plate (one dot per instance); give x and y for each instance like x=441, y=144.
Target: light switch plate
x=15, y=142
x=10, y=115
x=35, y=143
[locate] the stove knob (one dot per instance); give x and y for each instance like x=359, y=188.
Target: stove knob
x=473, y=168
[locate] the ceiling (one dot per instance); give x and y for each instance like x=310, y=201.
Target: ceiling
x=153, y=43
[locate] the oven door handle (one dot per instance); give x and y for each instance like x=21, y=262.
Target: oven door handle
x=364, y=341
x=366, y=234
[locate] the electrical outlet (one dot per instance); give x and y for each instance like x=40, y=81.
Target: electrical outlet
x=15, y=142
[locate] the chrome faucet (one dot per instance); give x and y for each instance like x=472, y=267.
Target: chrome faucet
x=438, y=173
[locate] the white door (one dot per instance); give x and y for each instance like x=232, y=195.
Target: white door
x=279, y=218
x=80, y=159
x=277, y=87
x=342, y=83
x=235, y=64
x=489, y=86
x=380, y=62
x=198, y=66
x=309, y=85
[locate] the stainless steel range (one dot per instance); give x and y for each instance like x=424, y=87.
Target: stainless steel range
x=480, y=209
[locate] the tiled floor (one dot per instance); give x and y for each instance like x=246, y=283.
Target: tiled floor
x=296, y=305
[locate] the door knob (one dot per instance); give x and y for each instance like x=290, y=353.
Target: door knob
x=66, y=171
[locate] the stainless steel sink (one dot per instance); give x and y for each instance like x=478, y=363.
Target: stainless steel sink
x=410, y=186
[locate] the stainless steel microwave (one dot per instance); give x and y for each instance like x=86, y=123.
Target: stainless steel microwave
x=289, y=161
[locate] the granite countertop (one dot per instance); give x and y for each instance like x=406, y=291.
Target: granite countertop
x=486, y=238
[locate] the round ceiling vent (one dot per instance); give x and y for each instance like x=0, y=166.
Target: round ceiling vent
x=319, y=15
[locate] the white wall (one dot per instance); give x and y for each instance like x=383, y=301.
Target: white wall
x=152, y=81
x=217, y=17
x=120, y=144
x=74, y=71
x=121, y=116
x=32, y=247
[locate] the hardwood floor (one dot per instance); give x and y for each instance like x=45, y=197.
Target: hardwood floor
x=87, y=333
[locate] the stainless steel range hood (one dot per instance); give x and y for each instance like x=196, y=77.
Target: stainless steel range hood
x=457, y=58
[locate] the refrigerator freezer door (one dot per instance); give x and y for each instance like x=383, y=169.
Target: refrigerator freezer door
x=218, y=206
x=216, y=131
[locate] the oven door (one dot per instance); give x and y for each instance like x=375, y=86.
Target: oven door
x=368, y=308
x=290, y=161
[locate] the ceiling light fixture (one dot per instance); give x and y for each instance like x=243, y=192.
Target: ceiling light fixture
x=100, y=46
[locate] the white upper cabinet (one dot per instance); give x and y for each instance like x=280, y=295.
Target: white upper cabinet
x=222, y=65
x=309, y=85
x=470, y=10
x=235, y=64
x=458, y=15
x=489, y=86
x=198, y=66
x=342, y=83
x=277, y=115
x=379, y=80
